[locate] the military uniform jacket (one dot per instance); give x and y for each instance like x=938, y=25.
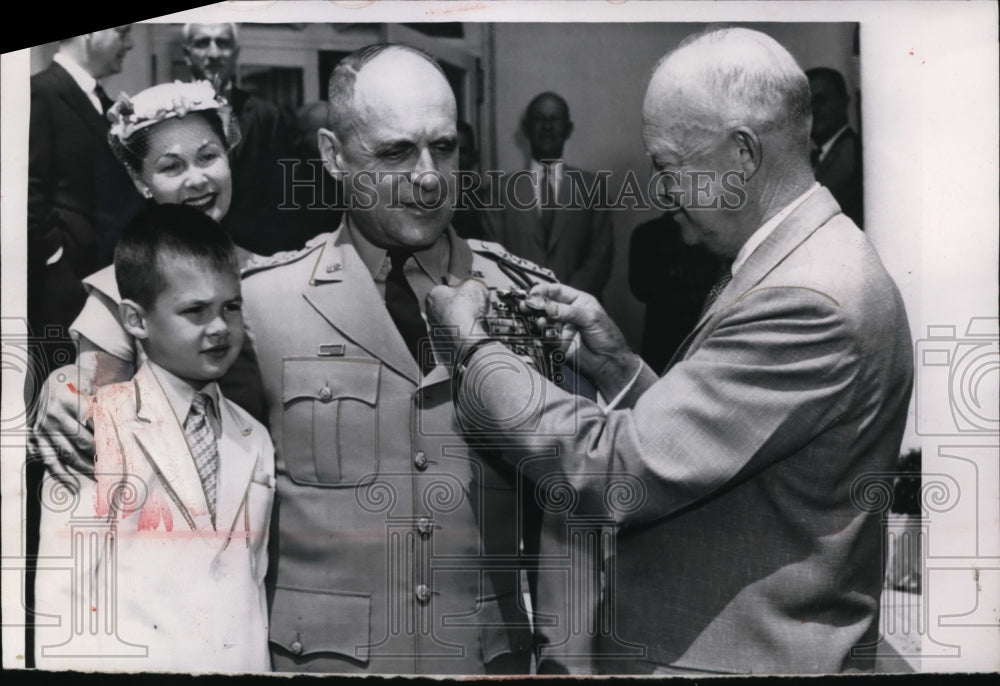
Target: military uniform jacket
x=397, y=545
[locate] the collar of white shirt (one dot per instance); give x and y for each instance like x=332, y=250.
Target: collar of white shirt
x=824, y=149
x=180, y=393
x=85, y=81
x=768, y=227
x=558, y=170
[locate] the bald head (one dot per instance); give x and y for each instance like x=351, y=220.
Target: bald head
x=730, y=107
x=731, y=77
x=384, y=66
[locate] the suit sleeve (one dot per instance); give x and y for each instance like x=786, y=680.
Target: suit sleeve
x=43, y=236
x=592, y=274
x=776, y=371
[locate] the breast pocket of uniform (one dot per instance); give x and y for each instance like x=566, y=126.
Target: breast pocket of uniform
x=330, y=420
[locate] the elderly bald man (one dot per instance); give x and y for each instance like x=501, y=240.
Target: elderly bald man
x=748, y=544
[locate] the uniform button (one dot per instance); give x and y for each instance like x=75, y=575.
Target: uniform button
x=420, y=460
x=424, y=526
x=325, y=393
x=423, y=594
x=296, y=648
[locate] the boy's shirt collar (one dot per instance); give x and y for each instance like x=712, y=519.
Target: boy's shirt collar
x=180, y=394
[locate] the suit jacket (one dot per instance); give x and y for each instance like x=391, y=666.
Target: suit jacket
x=580, y=246
x=841, y=172
x=397, y=545
x=672, y=279
x=254, y=220
x=79, y=197
x=749, y=542
x=185, y=596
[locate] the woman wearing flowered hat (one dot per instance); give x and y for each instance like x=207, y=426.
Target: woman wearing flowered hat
x=174, y=140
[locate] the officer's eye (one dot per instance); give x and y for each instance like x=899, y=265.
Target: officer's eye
x=445, y=147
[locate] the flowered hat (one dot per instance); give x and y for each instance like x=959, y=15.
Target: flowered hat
x=130, y=115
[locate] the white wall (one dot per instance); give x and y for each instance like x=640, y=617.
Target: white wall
x=601, y=70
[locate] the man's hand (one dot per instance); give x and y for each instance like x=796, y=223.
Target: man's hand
x=594, y=341
x=456, y=313
x=60, y=437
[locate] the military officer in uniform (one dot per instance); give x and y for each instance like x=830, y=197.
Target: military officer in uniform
x=397, y=547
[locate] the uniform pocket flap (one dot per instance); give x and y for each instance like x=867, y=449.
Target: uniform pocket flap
x=326, y=380
x=306, y=622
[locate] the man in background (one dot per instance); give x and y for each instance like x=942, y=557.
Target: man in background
x=559, y=228
x=79, y=194
x=836, y=152
x=254, y=221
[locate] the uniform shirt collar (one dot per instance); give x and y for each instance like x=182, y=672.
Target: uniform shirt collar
x=768, y=227
x=434, y=261
x=83, y=79
x=180, y=393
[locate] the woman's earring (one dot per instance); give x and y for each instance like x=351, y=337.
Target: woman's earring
x=146, y=193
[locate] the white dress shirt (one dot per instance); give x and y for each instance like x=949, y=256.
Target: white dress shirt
x=84, y=80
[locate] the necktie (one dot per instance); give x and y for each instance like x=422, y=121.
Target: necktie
x=548, y=213
x=716, y=290
x=106, y=102
x=404, y=309
x=204, y=448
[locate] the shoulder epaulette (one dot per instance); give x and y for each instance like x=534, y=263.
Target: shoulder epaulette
x=500, y=254
x=257, y=263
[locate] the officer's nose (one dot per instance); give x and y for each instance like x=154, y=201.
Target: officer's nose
x=426, y=176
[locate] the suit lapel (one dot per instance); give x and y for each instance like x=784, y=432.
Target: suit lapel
x=237, y=461
x=813, y=213
x=77, y=101
x=343, y=291
x=160, y=436
x=559, y=219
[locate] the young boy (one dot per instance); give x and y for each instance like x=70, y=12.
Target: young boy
x=184, y=478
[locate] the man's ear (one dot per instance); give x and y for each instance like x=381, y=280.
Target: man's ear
x=133, y=317
x=748, y=150
x=332, y=152
x=569, y=129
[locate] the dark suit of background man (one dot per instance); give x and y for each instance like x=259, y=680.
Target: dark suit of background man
x=254, y=220
x=572, y=239
x=79, y=195
x=836, y=153
x=749, y=541
x=671, y=273
x=467, y=220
